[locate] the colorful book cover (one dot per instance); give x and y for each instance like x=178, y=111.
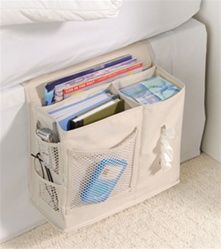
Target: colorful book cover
x=150, y=90
x=103, y=180
x=160, y=87
x=105, y=78
x=50, y=87
x=58, y=91
x=140, y=94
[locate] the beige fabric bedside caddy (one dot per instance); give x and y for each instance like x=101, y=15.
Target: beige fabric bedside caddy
x=146, y=137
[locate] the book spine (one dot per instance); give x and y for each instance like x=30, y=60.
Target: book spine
x=106, y=77
x=75, y=125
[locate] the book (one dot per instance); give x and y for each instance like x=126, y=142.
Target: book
x=106, y=110
x=160, y=87
x=58, y=90
x=64, y=114
x=150, y=90
x=49, y=87
x=139, y=93
x=103, y=180
x=103, y=79
x=78, y=105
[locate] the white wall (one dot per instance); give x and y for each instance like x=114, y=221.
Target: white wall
x=210, y=14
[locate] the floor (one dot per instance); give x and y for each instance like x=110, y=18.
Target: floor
x=183, y=217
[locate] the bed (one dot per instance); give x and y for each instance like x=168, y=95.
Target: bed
x=33, y=50
x=181, y=51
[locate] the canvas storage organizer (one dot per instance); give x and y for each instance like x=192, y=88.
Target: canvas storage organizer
x=145, y=140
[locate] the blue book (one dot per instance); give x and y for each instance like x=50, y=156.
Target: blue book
x=49, y=88
x=140, y=94
x=160, y=87
x=150, y=90
x=103, y=180
x=78, y=105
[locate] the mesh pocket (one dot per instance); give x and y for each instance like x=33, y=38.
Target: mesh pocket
x=51, y=156
x=48, y=196
x=47, y=191
x=96, y=176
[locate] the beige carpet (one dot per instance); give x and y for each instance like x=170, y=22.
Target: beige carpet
x=185, y=216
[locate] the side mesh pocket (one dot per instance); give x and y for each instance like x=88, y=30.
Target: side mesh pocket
x=50, y=154
x=48, y=197
x=47, y=185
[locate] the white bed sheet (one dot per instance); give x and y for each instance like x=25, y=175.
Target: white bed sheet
x=181, y=51
x=35, y=11
x=32, y=50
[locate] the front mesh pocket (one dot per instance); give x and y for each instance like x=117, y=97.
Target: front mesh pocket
x=99, y=175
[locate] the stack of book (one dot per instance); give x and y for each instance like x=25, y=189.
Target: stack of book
x=87, y=111
x=106, y=72
x=150, y=90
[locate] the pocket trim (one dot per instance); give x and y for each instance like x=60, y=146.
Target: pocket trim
x=75, y=150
